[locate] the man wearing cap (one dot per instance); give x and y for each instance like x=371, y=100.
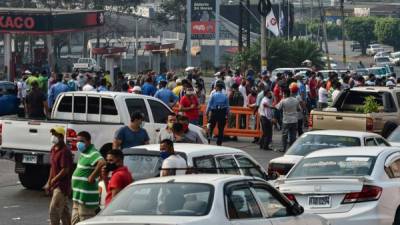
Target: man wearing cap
x=177, y=90
x=217, y=111
x=56, y=89
x=59, y=183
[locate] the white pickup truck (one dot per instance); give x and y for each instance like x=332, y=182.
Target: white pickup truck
x=87, y=64
x=27, y=142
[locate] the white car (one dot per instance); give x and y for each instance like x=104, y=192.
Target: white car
x=395, y=57
x=203, y=199
x=382, y=54
x=374, y=48
x=352, y=186
x=316, y=140
x=383, y=61
x=285, y=70
x=144, y=161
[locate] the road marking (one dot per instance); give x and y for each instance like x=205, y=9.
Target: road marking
x=11, y=206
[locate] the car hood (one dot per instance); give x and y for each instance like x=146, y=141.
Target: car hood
x=139, y=220
x=288, y=159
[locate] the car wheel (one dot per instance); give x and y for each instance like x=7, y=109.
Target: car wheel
x=397, y=217
x=35, y=177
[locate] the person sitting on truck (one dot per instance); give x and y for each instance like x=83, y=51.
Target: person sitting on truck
x=57, y=89
x=85, y=194
x=36, y=103
x=131, y=135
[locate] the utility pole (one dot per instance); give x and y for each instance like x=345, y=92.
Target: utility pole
x=248, y=24
x=188, y=33
x=343, y=34
x=136, y=46
x=217, y=25
x=263, y=28
x=240, y=41
x=322, y=14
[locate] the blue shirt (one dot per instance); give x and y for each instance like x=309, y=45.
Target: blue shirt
x=167, y=96
x=131, y=138
x=302, y=89
x=148, y=89
x=161, y=77
x=55, y=90
x=218, y=100
x=102, y=89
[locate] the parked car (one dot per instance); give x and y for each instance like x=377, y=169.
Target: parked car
x=345, y=116
x=380, y=71
x=99, y=113
x=316, y=140
x=9, y=103
x=382, y=54
x=383, y=61
x=394, y=137
x=202, y=199
x=285, y=70
x=395, y=58
x=374, y=48
x=87, y=64
x=354, y=186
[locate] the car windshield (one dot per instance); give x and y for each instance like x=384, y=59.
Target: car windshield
x=355, y=99
x=394, y=136
x=169, y=199
x=143, y=166
x=311, y=142
x=383, y=59
x=333, y=166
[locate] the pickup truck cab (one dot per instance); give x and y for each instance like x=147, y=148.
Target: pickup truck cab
x=87, y=64
x=27, y=142
x=344, y=116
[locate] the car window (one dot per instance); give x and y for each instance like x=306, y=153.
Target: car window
x=136, y=104
x=241, y=204
x=65, y=104
x=108, y=107
x=227, y=165
x=205, y=164
x=79, y=104
x=381, y=142
x=395, y=135
x=143, y=166
x=93, y=105
x=271, y=205
x=370, y=142
x=393, y=170
x=249, y=167
x=160, y=112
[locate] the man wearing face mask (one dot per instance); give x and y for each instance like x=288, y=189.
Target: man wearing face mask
x=120, y=175
x=173, y=164
x=133, y=134
x=167, y=132
x=59, y=183
x=189, y=104
x=189, y=135
x=85, y=193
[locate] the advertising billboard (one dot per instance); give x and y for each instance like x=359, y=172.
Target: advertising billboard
x=203, y=19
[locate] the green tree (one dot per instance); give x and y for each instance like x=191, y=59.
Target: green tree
x=361, y=29
x=387, y=31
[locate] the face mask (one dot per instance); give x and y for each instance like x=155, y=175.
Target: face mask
x=81, y=146
x=170, y=125
x=111, y=166
x=54, y=139
x=164, y=154
x=185, y=127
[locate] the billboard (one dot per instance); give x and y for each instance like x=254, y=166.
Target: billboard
x=203, y=19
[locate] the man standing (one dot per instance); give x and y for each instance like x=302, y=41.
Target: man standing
x=56, y=89
x=290, y=107
x=167, y=133
x=59, y=183
x=265, y=111
x=148, y=87
x=217, y=111
x=173, y=163
x=189, y=104
x=120, y=177
x=132, y=135
x=85, y=193
x=36, y=103
x=189, y=135
x=166, y=95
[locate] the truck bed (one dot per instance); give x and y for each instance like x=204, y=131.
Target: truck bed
x=323, y=120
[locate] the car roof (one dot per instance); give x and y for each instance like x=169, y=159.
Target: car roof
x=105, y=93
x=197, y=178
x=194, y=149
x=371, y=89
x=347, y=133
x=350, y=151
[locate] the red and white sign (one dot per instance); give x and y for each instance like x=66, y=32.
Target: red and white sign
x=203, y=27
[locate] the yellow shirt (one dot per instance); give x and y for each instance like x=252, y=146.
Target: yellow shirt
x=177, y=90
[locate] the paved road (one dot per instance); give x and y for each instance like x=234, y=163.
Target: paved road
x=19, y=206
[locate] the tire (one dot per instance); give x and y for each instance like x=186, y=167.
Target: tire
x=35, y=177
x=397, y=217
x=387, y=129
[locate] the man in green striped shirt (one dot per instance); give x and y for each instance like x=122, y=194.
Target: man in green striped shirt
x=85, y=192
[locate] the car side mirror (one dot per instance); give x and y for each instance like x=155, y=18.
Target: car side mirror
x=273, y=176
x=296, y=209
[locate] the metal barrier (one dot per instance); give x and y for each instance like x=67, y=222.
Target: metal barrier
x=246, y=122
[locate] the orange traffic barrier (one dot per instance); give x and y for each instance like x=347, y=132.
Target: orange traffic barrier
x=242, y=121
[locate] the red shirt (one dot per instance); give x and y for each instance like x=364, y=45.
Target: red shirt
x=313, y=83
x=192, y=114
x=120, y=178
x=277, y=94
x=60, y=159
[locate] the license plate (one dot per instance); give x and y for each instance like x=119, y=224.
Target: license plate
x=320, y=201
x=31, y=159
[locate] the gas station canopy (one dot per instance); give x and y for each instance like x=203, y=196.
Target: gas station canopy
x=48, y=21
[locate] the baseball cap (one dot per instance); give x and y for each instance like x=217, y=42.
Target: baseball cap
x=58, y=130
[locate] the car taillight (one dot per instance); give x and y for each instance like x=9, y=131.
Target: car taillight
x=370, y=124
x=310, y=122
x=291, y=197
x=368, y=193
x=72, y=139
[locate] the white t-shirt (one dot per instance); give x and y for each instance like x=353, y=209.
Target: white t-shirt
x=322, y=95
x=265, y=111
x=335, y=94
x=242, y=90
x=175, y=162
x=88, y=87
x=21, y=89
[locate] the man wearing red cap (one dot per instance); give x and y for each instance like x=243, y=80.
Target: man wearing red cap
x=290, y=107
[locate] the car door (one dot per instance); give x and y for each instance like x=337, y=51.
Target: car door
x=160, y=114
x=275, y=208
x=241, y=207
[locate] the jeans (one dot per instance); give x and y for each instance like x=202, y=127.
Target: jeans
x=266, y=139
x=218, y=116
x=59, y=209
x=289, y=130
x=300, y=127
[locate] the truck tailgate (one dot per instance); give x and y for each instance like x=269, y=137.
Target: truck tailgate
x=338, y=121
x=27, y=135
